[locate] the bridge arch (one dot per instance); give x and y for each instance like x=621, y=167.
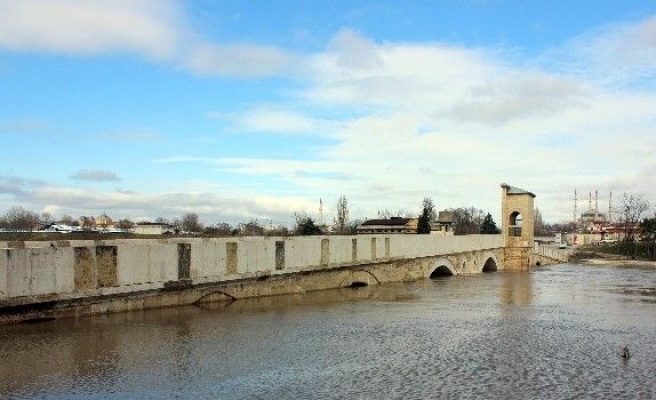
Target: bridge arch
x=490, y=262
x=214, y=297
x=359, y=279
x=441, y=267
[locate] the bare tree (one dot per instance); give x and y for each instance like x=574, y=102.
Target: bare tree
x=539, y=226
x=125, y=225
x=252, y=228
x=20, y=219
x=162, y=220
x=630, y=212
x=220, y=229
x=341, y=222
x=87, y=223
x=68, y=220
x=191, y=223
x=467, y=221
x=47, y=218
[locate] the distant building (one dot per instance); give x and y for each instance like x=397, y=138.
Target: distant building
x=389, y=225
x=60, y=227
x=443, y=225
x=153, y=228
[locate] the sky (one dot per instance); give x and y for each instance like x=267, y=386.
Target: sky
x=244, y=110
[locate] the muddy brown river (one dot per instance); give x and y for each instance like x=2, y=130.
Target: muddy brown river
x=554, y=333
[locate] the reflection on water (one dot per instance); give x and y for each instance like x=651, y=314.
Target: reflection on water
x=553, y=333
x=517, y=289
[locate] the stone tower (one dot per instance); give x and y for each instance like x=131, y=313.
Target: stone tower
x=518, y=225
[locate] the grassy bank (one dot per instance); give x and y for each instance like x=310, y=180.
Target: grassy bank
x=641, y=251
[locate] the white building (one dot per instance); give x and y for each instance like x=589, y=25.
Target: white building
x=153, y=228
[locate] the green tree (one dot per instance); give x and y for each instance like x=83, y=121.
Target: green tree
x=426, y=217
x=305, y=225
x=489, y=227
x=648, y=226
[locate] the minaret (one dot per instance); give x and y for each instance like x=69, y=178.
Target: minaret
x=590, y=200
x=596, y=204
x=610, y=207
x=575, y=199
x=320, y=212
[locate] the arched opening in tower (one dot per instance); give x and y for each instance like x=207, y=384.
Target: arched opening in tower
x=515, y=224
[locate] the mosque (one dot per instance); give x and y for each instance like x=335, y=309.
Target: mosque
x=594, y=226
x=593, y=220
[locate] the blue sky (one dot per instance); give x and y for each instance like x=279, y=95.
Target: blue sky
x=240, y=110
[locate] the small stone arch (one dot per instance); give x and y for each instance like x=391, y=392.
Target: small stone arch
x=441, y=267
x=214, y=297
x=359, y=279
x=490, y=265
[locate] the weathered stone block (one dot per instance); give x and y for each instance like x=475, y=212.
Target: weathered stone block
x=42, y=263
x=19, y=273
x=106, y=266
x=280, y=254
x=84, y=269
x=232, y=259
x=3, y=274
x=184, y=261
x=63, y=269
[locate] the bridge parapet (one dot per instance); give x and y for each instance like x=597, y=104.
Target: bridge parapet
x=79, y=268
x=550, y=255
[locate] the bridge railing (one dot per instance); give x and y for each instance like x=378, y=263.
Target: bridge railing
x=86, y=267
x=553, y=252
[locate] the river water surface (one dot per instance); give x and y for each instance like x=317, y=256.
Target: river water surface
x=554, y=333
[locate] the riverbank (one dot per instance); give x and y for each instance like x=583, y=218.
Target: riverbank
x=589, y=256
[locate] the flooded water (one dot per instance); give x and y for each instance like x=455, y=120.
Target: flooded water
x=556, y=332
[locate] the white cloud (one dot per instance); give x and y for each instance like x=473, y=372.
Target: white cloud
x=147, y=27
x=244, y=60
x=155, y=29
x=135, y=136
x=95, y=175
x=212, y=207
x=613, y=54
x=410, y=120
x=453, y=123
x=277, y=120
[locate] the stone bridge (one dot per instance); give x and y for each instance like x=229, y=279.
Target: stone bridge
x=88, y=277
x=71, y=278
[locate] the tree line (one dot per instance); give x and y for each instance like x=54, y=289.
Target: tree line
x=466, y=220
